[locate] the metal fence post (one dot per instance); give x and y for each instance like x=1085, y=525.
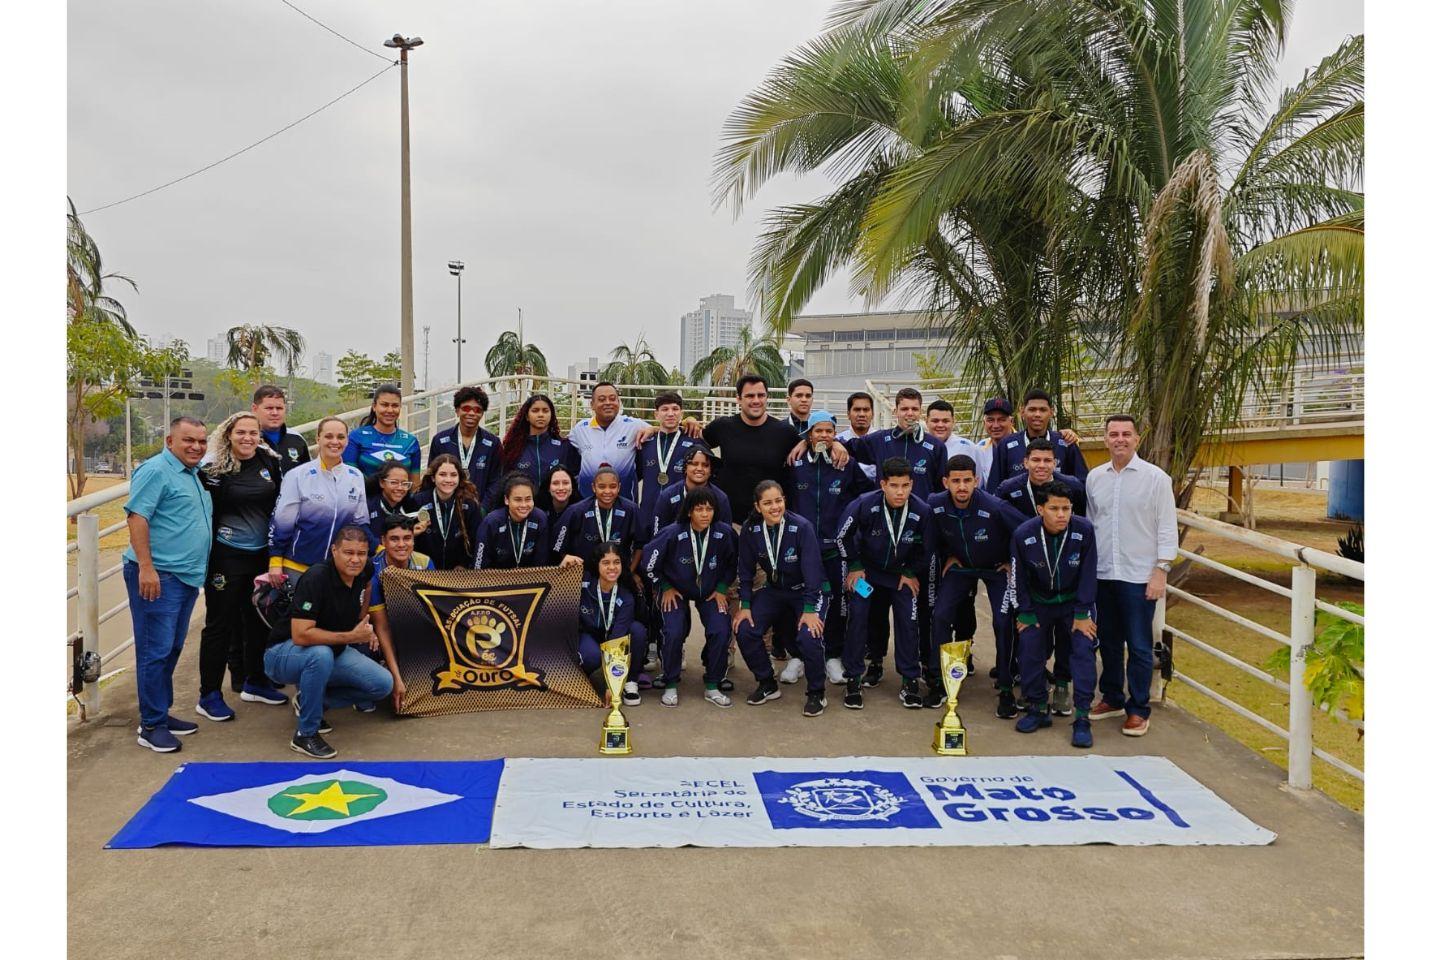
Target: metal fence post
x=432, y=417
x=1301, y=706
x=88, y=608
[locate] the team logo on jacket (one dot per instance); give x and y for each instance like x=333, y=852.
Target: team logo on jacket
x=789, y=556
x=218, y=581
x=292, y=454
x=265, y=473
x=484, y=634
x=920, y=466
x=870, y=799
x=836, y=487
x=981, y=535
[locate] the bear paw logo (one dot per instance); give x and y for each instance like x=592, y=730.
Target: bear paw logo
x=484, y=635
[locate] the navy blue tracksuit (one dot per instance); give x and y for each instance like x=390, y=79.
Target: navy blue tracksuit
x=666, y=509
x=541, y=454
x=820, y=492
x=647, y=466
x=504, y=544
x=864, y=541
x=1054, y=583
x=794, y=586
x=581, y=529
x=979, y=537
x=1024, y=496
x=1010, y=454
x=483, y=457
x=926, y=455
x=592, y=631
x=669, y=563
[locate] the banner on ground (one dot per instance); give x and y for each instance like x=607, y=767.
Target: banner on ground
x=318, y=805
x=487, y=639
x=860, y=801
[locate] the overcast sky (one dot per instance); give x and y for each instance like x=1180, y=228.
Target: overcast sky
x=561, y=149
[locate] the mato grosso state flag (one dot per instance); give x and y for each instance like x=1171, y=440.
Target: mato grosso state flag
x=487, y=639
x=331, y=804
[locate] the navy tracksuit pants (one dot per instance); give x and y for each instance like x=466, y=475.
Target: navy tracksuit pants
x=834, y=614
x=675, y=626
x=858, y=625
x=590, y=658
x=1054, y=626
x=781, y=610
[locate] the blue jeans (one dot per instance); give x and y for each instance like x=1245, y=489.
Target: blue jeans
x=160, y=626
x=1125, y=616
x=327, y=677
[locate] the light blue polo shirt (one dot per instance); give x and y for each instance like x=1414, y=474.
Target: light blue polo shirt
x=613, y=445
x=170, y=497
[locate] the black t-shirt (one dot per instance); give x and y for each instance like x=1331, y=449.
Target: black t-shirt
x=321, y=596
x=241, y=506
x=749, y=455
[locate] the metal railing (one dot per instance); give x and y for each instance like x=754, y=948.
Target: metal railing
x=1303, y=604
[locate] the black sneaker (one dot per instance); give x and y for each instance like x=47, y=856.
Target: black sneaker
x=1006, y=705
x=313, y=746
x=971, y=666
x=854, y=700
x=910, y=695
x=936, y=695
x=727, y=684
x=768, y=690
x=322, y=725
x=815, y=704
x=991, y=674
x=872, y=675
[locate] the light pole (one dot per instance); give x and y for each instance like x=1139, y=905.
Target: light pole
x=426, y=351
x=403, y=44
x=455, y=267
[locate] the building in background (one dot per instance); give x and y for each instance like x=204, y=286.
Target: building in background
x=322, y=367
x=715, y=323
x=842, y=349
x=216, y=349
x=586, y=373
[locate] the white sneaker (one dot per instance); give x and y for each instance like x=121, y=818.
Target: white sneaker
x=631, y=694
x=717, y=697
x=652, y=660
x=835, y=671
x=671, y=697
x=793, y=671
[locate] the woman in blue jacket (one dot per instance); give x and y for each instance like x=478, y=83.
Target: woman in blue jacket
x=532, y=444
x=606, y=612
x=392, y=497
x=316, y=498
x=379, y=439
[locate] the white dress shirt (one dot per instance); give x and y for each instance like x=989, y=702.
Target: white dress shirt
x=846, y=436
x=1135, y=519
x=982, y=450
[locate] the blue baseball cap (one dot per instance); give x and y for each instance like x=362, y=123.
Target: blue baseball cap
x=819, y=416
x=997, y=405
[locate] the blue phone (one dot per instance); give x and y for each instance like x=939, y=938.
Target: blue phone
x=863, y=588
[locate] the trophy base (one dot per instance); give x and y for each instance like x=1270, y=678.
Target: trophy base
x=614, y=741
x=950, y=741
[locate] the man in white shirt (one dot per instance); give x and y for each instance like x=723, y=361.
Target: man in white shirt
x=607, y=438
x=1131, y=506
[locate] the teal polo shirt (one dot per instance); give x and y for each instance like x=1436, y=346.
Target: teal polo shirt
x=170, y=497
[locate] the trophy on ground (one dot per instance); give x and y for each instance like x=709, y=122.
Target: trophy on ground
x=614, y=738
x=951, y=736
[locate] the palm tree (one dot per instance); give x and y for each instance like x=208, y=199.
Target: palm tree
x=512, y=356
x=1218, y=224
x=748, y=354
x=251, y=348
x=86, y=298
x=631, y=365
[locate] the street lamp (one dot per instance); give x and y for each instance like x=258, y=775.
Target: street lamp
x=403, y=44
x=455, y=267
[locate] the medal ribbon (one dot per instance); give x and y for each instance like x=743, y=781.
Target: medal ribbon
x=664, y=456
x=606, y=611
x=699, y=547
x=518, y=542
x=604, y=526
x=772, y=547
x=1053, y=564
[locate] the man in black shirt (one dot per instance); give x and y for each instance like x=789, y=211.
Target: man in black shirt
x=310, y=645
x=269, y=404
x=753, y=447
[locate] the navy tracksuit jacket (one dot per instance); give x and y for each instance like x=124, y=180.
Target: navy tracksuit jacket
x=794, y=585
x=926, y=455
x=1055, y=582
x=669, y=563
x=1011, y=451
x=820, y=492
x=498, y=536
x=864, y=541
x=1015, y=491
x=591, y=625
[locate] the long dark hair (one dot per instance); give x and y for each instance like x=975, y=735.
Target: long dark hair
x=760, y=490
x=574, y=496
x=518, y=431
x=602, y=550
x=371, y=416
x=466, y=492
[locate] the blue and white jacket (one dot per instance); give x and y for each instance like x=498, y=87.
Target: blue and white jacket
x=312, y=504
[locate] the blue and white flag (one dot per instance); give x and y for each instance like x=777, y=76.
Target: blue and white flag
x=331, y=804
x=860, y=801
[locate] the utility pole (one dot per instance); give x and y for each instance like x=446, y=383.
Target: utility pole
x=455, y=267
x=403, y=45
x=426, y=351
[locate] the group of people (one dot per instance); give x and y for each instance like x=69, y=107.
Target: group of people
x=793, y=540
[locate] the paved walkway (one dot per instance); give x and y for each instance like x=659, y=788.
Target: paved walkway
x=1302, y=896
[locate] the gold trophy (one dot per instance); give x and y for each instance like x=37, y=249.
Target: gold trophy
x=614, y=738
x=951, y=736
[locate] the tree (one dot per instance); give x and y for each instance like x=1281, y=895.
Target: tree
x=355, y=375
x=1217, y=226
x=252, y=347
x=634, y=365
x=512, y=356
x=390, y=368
x=748, y=354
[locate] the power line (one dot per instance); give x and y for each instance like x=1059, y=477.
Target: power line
x=372, y=53
x=170, y=183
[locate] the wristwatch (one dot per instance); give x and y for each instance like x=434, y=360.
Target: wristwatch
x=1164, y=565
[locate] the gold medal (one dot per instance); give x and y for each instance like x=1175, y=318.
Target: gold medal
x=663, y=478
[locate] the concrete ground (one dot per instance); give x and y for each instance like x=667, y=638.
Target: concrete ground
x=1301, y=897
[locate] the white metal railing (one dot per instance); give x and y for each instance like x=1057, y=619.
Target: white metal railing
x=1303, y=604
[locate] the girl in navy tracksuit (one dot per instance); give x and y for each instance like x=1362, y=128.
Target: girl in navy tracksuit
x=607, y=612
x=516, y=534
x=533, y=446
x=560, y=493
x=693, y=562
x=450, y=502
x=787, y=549
x=392, y=496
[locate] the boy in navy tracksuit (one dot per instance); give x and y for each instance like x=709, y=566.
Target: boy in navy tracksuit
x=1011, y=451
x=820, y=492
x=660, y=461
x=787, y=550
x=973, y=543
x=693, y=562
x=1025, y=492
x=887, y=540
x=1054, y=587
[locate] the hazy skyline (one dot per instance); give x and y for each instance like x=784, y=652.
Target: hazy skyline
x=563, y=151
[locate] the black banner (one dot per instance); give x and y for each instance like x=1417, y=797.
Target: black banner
x=470, y=640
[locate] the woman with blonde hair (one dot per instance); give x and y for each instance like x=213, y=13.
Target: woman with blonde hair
x=243, y=476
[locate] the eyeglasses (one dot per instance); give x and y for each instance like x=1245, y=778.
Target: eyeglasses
x=396, y=481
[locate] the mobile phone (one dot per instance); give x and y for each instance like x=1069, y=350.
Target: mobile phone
x=863, y=588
